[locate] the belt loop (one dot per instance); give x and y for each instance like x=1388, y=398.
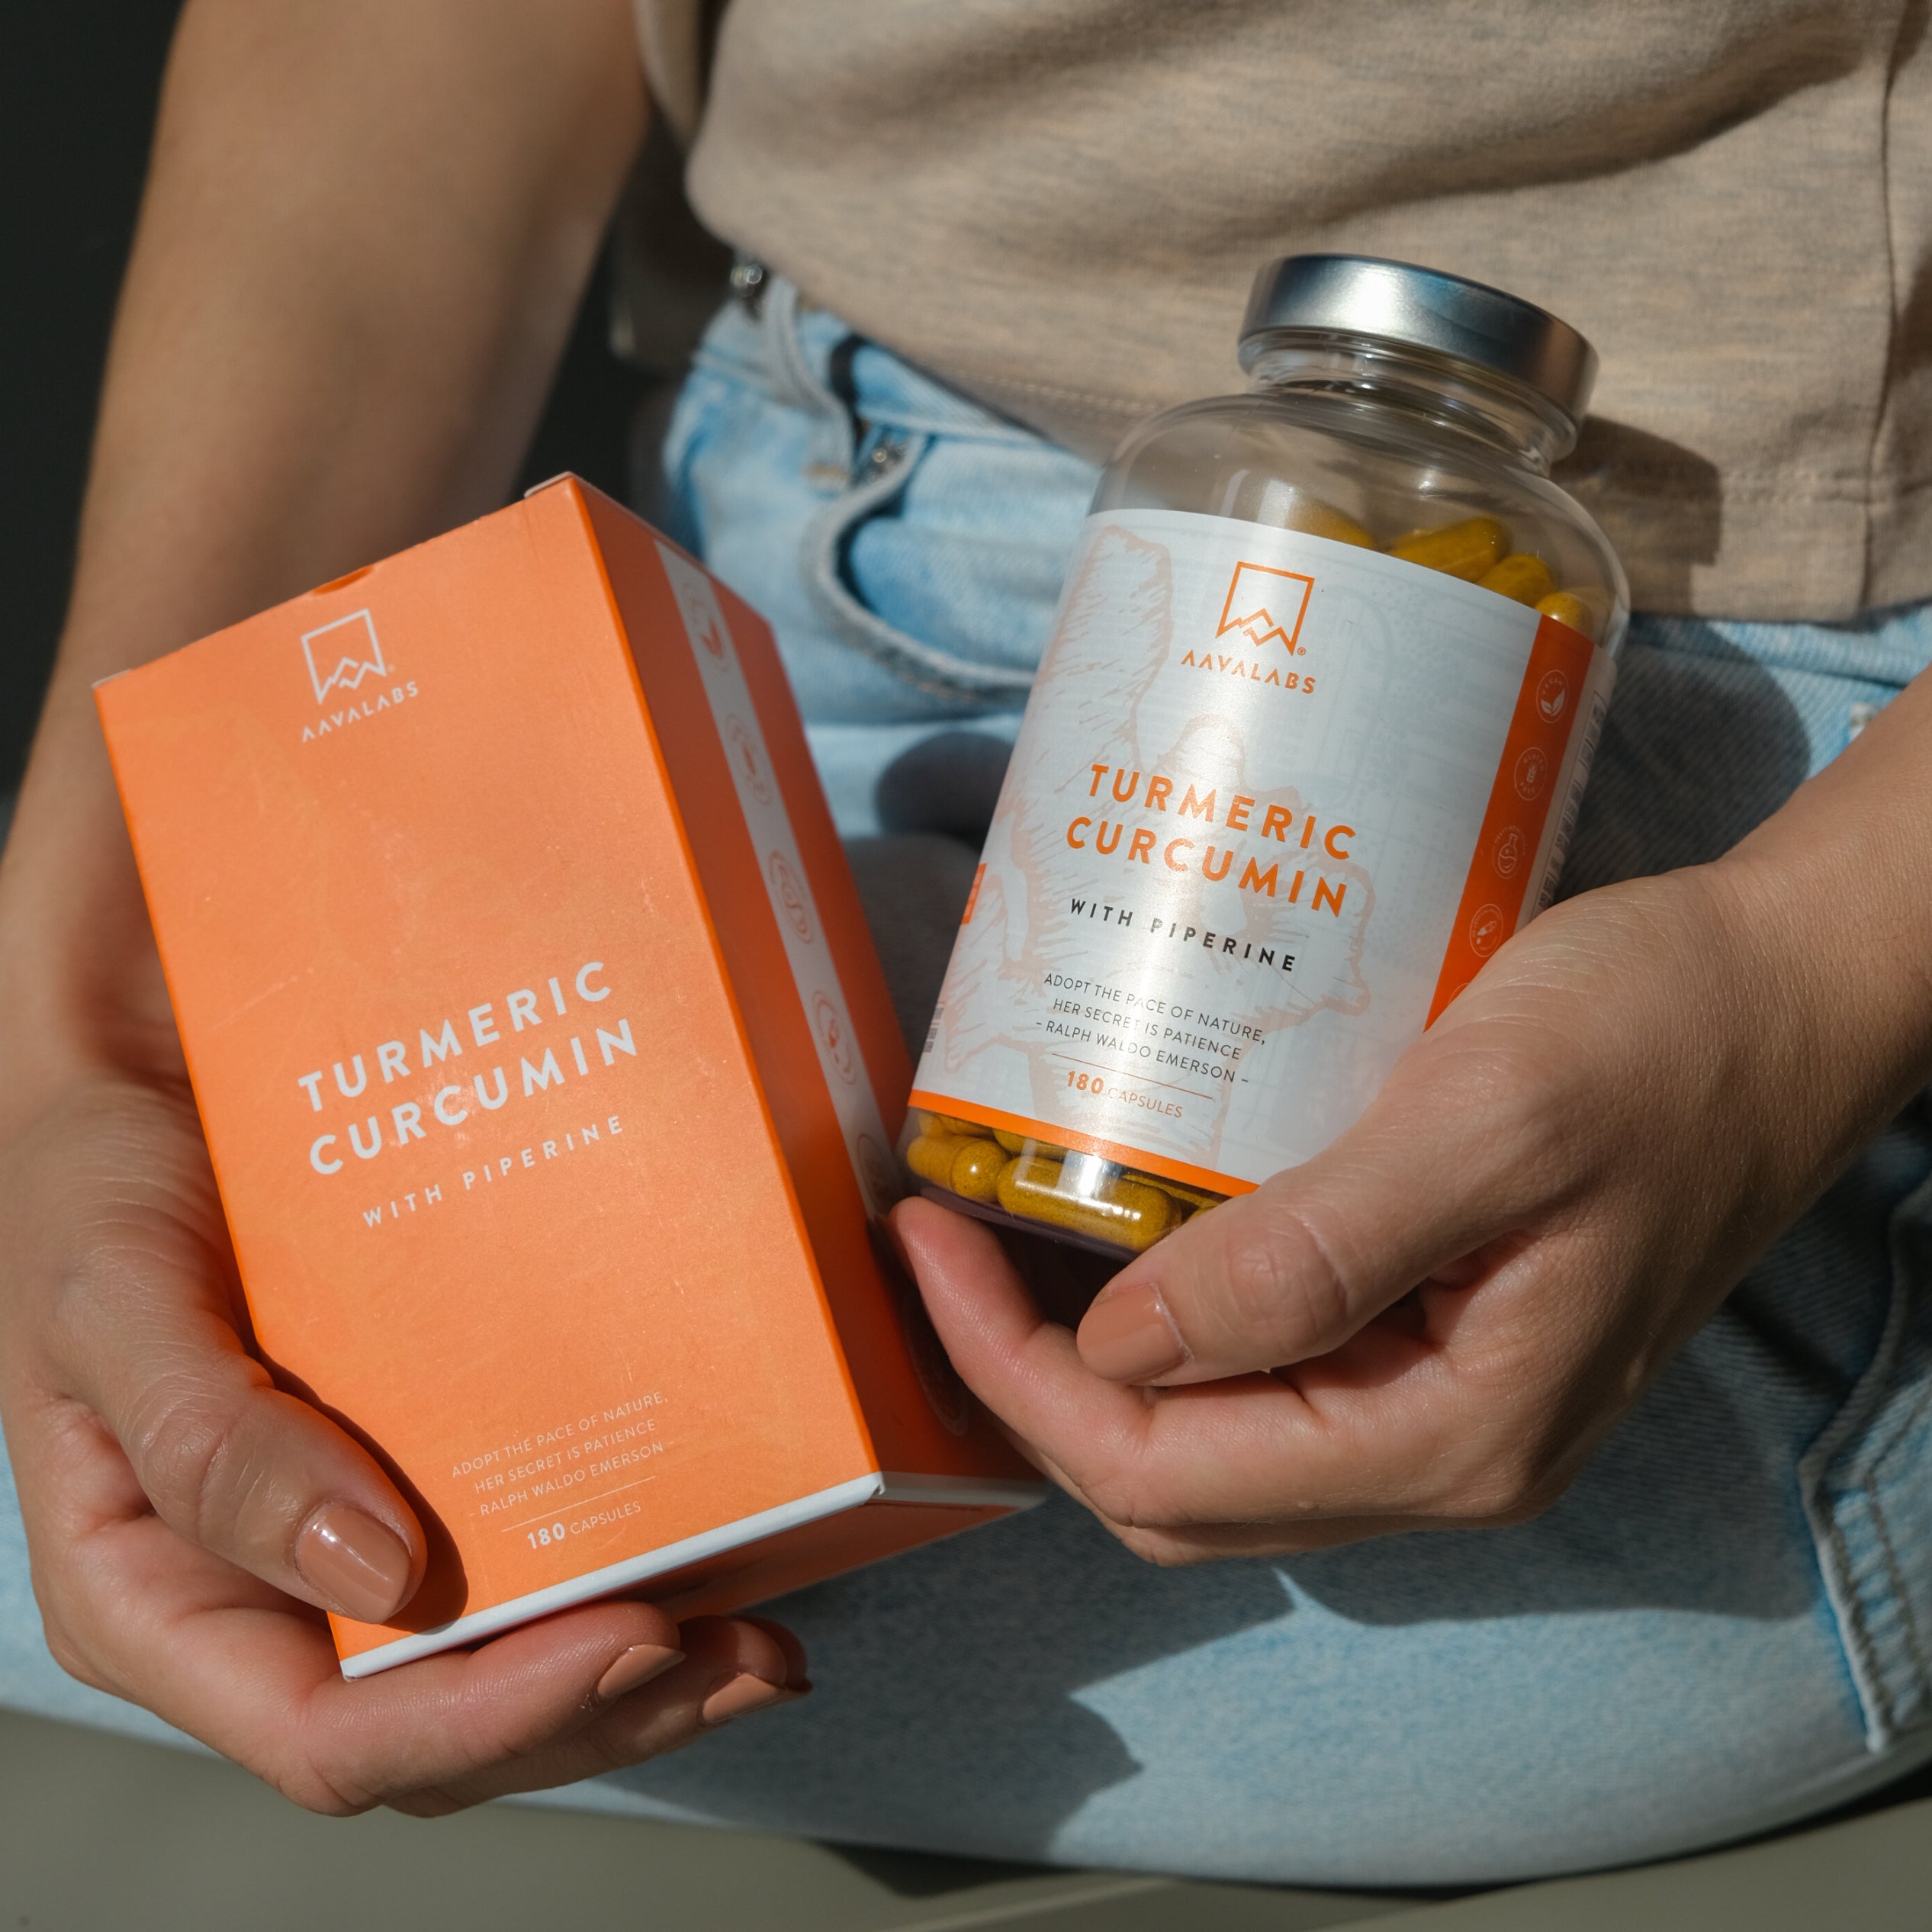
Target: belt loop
x=795, y=381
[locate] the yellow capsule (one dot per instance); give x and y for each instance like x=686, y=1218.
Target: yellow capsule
x=1567, y=607
x=1523, y=578
x=1127, y=1212
x=1016, y=1144
x=1180, y=1191
x=1465, y=549
x=1303, y=512
x=932, y=1155
x=950, y=1123
x=975, y=1170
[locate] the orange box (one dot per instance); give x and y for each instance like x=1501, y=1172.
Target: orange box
x=549, y=1073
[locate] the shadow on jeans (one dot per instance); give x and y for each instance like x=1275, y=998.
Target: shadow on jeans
x=1688, y=1507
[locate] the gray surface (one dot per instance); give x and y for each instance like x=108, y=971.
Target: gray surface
x=98, y=1833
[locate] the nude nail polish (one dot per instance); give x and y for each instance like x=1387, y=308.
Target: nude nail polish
x=637, y=1666
x=796, y=1666
x=1127, y=1337
x=359, y=1566
x=741, y=1694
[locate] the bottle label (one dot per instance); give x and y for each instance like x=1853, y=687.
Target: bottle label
x=1275, y=800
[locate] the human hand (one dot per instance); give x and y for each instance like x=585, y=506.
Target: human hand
x=184, y=1517
x=1434, y=1322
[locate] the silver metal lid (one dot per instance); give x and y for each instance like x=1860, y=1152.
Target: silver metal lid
x=1397, y=302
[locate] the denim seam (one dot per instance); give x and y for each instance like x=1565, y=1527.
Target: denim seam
x=1909, y=1630
x=938, y=673
x=1894, y=1442
x=798, y=383
x=1837, y=1566
x=1908, y=1622
x=970, y=426
x=1829, y=1491
x=887, y=417
x=970, y=423
x=782, y=369
x=1880, y=1725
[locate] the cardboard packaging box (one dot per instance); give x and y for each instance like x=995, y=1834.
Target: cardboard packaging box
x=548, y=1071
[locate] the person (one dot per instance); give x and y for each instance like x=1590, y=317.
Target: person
x=1624, y=1284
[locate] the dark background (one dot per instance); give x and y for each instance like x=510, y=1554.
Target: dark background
x=77, y=83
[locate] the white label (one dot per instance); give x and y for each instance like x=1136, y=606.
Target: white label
x=786, y=884
x=1236, y=864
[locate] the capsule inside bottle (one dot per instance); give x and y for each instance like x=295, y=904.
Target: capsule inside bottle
x=1036, y=1186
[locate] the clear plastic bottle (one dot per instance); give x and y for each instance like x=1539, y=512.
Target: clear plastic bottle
x=1305, y=748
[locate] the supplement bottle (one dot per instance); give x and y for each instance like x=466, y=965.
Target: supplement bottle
x=1304, y=749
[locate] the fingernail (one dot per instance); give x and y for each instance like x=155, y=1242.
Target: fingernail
x=1127, y=1337
x=796, y=1665
x=349, y=1558
x=743, y=1693
x=637, y=1665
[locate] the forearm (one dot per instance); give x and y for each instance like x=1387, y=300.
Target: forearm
x=367, y=226
x=1837, y=886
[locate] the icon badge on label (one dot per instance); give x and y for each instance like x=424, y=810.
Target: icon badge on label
x=788, y=893
x=1552, y=696
x=837, y=1042
x=1485, y=930
x=1266, y=605
x=1507, y=853
x=703, y=623
x=351, y=643
x=742, y=749
x=1533, y=772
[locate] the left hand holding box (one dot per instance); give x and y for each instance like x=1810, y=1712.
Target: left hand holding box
x=173, y=1497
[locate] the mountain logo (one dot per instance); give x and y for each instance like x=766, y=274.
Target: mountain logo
x=1266, y=605
x=351, y=643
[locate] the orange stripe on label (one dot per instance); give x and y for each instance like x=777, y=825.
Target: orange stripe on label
x=1526, y=778
x=1116, y=1151
x=972, y=897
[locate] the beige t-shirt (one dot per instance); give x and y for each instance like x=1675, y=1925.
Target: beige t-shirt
x=1058, y=205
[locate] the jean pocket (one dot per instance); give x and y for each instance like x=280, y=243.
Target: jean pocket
x=889, y=464
x=705, y=401
x=1865, y=1484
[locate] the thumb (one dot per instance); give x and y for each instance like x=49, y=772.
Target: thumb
x=229, y=1460
x=1295, y=1269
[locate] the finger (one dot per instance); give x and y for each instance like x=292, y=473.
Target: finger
x=144, y=1334
x=1022, y=1366
x=1091, y=1434
x=227, y=1658
x=577, y=1695
x=798, y=1668
x=230, y=1660
x=1366, y=1433
x=1295, y=1269
x=730, y=1668
x=1185, y=1544
x=1190, y=1542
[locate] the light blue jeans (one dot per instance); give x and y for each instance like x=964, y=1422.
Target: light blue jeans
x=1726, y=1624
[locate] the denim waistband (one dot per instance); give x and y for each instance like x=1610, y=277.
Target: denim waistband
x=804, y=357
